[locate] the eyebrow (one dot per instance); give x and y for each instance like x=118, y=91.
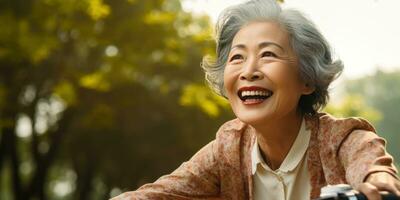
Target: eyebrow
x=261, y=45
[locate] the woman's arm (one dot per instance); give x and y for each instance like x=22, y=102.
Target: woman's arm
x=369, y=168
x=196, y=178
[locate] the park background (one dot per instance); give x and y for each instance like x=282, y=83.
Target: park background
x=98, y=97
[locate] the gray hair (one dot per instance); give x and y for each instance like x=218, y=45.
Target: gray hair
x=316, y=64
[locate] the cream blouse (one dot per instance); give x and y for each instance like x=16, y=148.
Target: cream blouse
x=291, y=180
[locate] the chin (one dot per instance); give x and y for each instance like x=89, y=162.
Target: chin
x=251, y=118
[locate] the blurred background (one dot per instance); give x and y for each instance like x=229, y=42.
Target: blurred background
x=98, y=97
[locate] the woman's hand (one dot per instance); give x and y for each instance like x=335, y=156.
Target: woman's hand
x=379, y=181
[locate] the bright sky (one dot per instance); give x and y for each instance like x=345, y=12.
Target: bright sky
x=365, y=34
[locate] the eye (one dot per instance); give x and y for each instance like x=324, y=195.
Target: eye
x=268, y=54
x=236, y=57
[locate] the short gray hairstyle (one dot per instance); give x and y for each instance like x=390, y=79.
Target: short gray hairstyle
x=316, y=65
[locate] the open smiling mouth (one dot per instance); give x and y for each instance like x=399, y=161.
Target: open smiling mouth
x=254, y=95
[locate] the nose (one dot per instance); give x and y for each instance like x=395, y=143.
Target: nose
x=251, y=72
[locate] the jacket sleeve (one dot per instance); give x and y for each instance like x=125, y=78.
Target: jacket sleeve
x=194, y=179
x=362, y=153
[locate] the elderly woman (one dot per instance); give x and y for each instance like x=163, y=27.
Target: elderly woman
x=274, y=67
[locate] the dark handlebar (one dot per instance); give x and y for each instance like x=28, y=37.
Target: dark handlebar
x=384, y=197
x=345, y=192
x=360, y=197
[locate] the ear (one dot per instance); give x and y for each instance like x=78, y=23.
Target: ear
x=308, y=89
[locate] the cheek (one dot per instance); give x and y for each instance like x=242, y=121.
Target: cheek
x=229, y=80
x=230, y=86
x=284, y=77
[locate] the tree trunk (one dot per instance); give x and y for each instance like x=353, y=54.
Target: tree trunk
x=2, y=153
x=84, y=181
x=9, y=140
x=15, y=163
x=36, y=186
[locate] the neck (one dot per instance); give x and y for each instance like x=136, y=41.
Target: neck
x=276, y=137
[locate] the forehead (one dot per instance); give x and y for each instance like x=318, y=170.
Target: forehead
x=262, y=31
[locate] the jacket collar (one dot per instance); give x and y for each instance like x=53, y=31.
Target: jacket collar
x=235, y=125
x=292, y=159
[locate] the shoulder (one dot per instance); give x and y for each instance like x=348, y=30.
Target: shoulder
x=233, y=136
x=330, y=122
x=332, y=127
x=332, y=131
x=233, y=125
x=230, y=129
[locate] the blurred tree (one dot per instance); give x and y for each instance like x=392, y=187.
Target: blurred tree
x=381, y=92
x=100, y=96
x=354, y=106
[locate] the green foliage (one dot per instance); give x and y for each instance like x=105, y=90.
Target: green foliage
x=354, y=106
x=202, y=97
x=97, y=9
x=113, y=91
x=66, y=92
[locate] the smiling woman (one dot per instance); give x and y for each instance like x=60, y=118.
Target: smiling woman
x=275, y=67
x=261, y=60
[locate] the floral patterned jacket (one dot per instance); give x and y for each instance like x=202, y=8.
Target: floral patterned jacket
x=340, y=151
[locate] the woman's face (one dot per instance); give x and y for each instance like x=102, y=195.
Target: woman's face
x=261, y=77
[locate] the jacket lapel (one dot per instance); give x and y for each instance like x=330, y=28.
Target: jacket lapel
x=317, y=178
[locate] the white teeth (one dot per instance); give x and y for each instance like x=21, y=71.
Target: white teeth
x=256, y=93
